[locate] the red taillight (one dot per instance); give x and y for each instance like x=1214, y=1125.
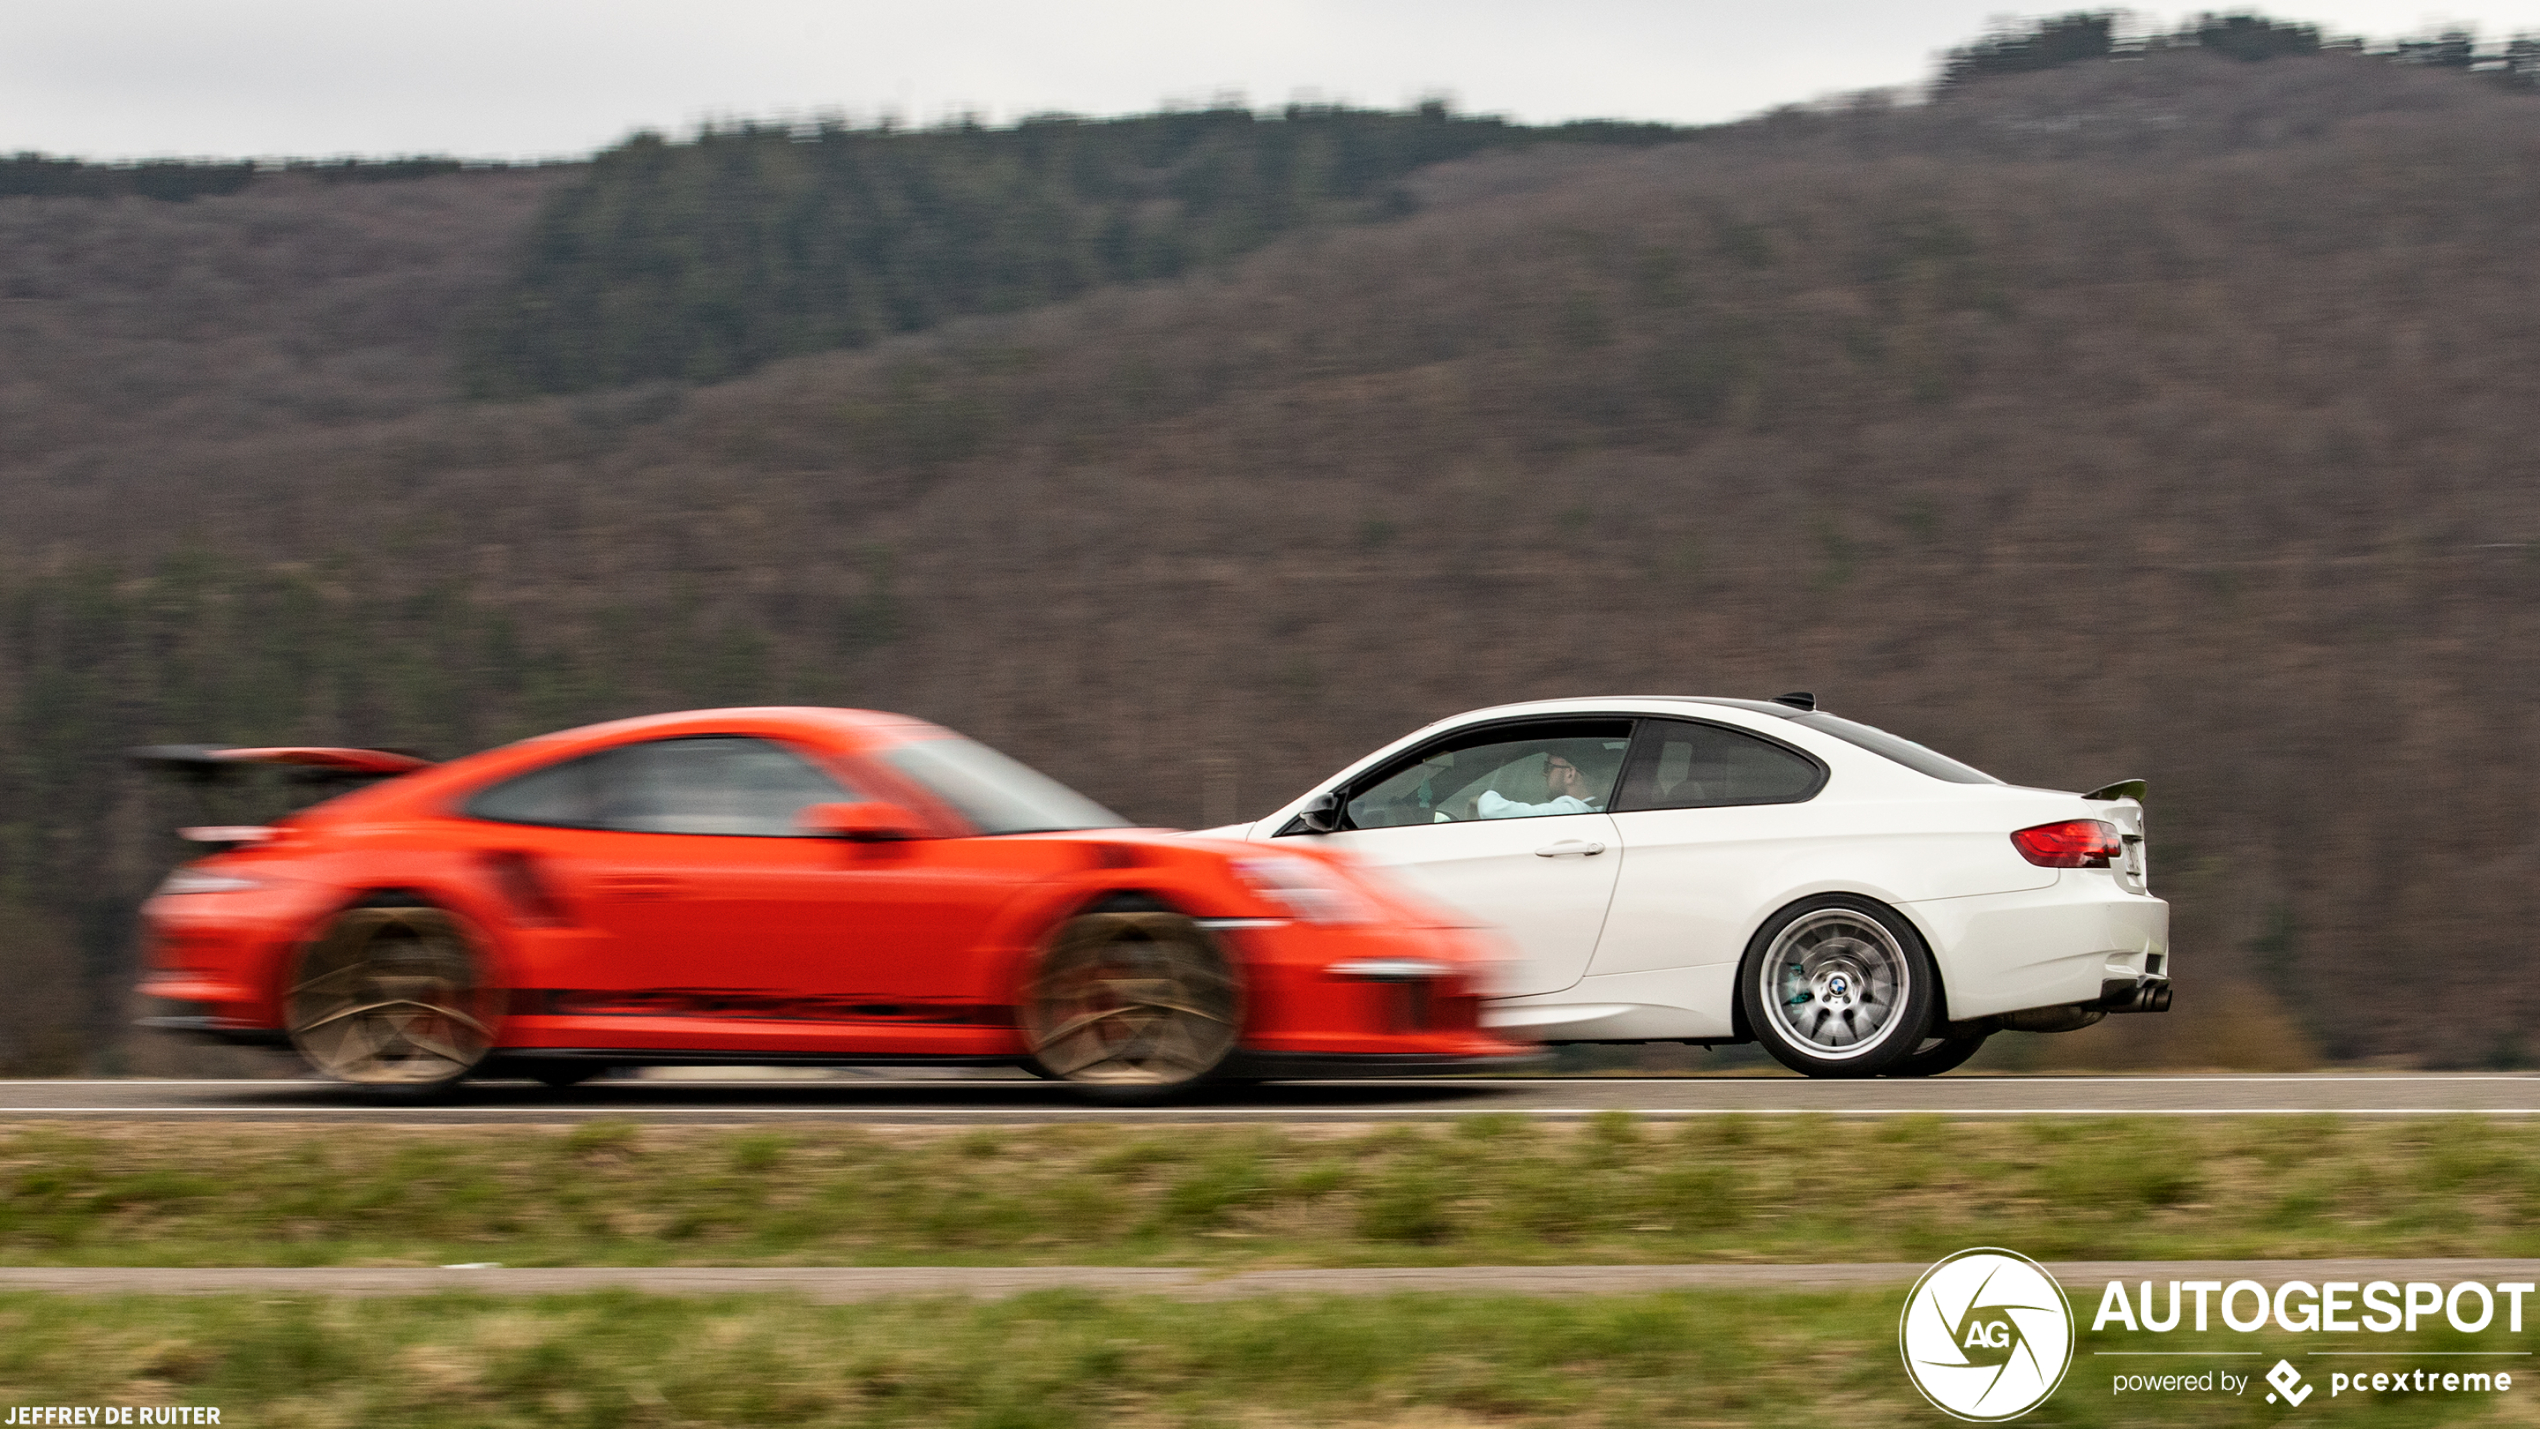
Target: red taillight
x=2074, y=843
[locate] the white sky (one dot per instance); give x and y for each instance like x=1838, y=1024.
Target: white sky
x=533, y=78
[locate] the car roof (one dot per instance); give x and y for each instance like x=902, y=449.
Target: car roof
x=846, y=730
x=1577, y=705
x=862, y=726
x=1619, y=704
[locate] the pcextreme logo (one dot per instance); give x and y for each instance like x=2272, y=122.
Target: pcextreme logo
x=1986, y=1335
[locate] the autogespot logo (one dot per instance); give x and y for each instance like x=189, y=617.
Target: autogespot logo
x=1986, y=1335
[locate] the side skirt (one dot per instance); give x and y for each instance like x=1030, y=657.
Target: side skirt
x=217, y=1029
x=1320, y=1066
x=658, y=1057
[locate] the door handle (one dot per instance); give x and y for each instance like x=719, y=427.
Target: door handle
x=1569, y=846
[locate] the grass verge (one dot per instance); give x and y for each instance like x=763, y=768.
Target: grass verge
x=1486, y=1190
x=1057, y=1360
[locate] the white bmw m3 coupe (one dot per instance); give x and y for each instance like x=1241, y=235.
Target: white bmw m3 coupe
x=1716, y=871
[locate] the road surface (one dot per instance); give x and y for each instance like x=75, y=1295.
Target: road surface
x=985, y=1101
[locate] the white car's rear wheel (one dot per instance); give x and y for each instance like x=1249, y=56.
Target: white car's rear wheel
x=1838, y=986
x=1132, y=1004
x=1937, y=1055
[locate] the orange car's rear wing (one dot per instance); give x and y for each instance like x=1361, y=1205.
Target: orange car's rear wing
x=211, y=760
x=209, y=769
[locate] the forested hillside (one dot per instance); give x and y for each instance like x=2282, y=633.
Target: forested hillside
x=129, y=326
x=2166, y=417
x=705, y=260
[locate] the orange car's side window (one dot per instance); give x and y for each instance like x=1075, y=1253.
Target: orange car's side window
x=563, y=795
x=746, y=787
x=715, y=784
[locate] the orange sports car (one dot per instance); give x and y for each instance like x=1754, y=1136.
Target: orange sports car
x=815, y=886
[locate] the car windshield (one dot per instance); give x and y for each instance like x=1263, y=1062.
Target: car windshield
x=1904, y=751
x=996, y=794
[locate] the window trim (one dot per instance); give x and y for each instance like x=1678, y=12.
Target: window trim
x=1644, y=748
x=1835, y=726
x=877, y=762
x=1416, y=753
x=467, y=805
x=816, y=763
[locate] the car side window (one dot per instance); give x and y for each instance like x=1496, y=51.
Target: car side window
x=1528, y=771
x=565, y=795
x=1678, y=764
x=717, y=784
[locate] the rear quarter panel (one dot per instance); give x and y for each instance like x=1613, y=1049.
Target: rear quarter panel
x=1697, y=883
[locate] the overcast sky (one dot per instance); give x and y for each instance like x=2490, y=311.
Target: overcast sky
x=530, y=78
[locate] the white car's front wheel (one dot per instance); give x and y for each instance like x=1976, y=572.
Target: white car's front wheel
x=1838, y=986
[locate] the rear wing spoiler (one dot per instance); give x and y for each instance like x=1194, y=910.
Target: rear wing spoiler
x=212, y=772
x=2122, y=789
x=207, y=768
x=205, y=762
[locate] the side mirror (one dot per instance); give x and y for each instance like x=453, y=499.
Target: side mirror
x=866, y=823
x=1322, y=814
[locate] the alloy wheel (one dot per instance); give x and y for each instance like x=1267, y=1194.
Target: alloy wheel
x=1133, y=1000
x=1834, y=982
x=392, y=997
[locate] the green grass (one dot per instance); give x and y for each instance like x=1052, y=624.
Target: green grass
x=1485, y=1190
x=1051, y=1359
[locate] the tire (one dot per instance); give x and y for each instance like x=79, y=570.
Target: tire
x=1838, y=986
x=1132, y=1005
x=393, y=998
x=1033, y=1066
x=1937, y=1055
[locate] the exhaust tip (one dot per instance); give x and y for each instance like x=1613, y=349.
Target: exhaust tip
x=2149, y=995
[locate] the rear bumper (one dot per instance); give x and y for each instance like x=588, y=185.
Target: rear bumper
x=2056, y=946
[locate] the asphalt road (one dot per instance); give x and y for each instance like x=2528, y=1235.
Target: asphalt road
x=984, y=1101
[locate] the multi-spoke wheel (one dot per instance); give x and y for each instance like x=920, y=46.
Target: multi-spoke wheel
x=1839, y=987
x=394, y=998
x=1132, y=1004
x=1936, y=1055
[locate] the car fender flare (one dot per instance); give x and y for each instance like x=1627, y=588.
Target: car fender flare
x=483, y=911
x=1014, y=940
x=1922, y=929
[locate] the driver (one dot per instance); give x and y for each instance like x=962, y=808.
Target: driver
x=1570, y=791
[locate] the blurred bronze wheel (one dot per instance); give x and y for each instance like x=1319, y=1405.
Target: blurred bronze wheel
x=394, y=999
x=1132, y=1004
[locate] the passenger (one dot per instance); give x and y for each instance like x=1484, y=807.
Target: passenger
x=1563, y=780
